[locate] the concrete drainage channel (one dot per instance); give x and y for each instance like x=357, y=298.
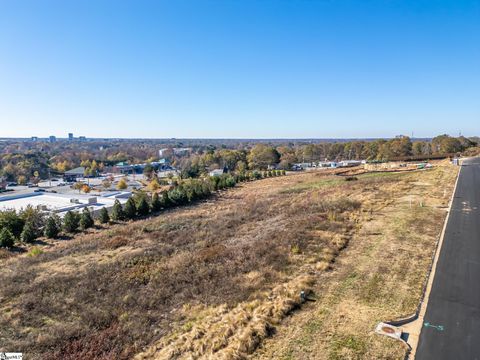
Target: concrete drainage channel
x=407, y=330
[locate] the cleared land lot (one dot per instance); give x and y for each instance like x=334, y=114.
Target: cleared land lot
x=224, y=277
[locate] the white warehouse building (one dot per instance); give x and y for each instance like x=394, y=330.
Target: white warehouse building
x=61, y=203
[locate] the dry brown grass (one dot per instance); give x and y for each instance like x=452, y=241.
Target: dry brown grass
x=216, y=279
x=379, y=276
x=129, y=283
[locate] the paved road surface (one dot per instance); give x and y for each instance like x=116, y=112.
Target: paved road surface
x=451, y=328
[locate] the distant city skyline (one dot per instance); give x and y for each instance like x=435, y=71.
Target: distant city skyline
x=239, y=69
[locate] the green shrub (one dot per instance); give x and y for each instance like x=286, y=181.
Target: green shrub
x=229, y=181
x=35, y=217
x=130, y=209
x=156, y=204
x=255, y=175
x=117, y=211
x=142, y=207
x=29, y=233
x=6, y=238
x=71, y=221
x=166, y=202
x=86, y=220
x=51, y=227
x=177, y=195
x=206, y=188
x=103, y=216
x=35, y=251
x=9, y=219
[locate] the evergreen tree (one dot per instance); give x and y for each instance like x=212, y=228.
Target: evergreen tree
x=142, y=207
x=206, y=190
x=166, y=202
x=130, y=209
x=156, y=203
x=230, y=181
x=117, y=212
x=35, y=217
x=86, y=220
x=51, y=227
x=103, y=216
x=6, y=238
x=178, y=195
x=29, y=233
x=9, y=219
x=71, y=221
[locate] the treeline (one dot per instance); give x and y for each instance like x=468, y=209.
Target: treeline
x=24, y=167
x=184, y=192
x=31, y=161
x=31, y=223
x=263, y=156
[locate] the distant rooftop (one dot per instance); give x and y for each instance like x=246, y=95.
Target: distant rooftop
x=77, y=171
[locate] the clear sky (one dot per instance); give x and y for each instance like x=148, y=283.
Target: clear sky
x=239, y=68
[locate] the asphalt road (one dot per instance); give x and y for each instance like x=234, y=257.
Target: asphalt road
x=451, y=328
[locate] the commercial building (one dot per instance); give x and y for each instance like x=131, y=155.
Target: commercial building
x=74, y=174
x=125, y=168
x=61, y=203
x=173, y=151
x=216, y=172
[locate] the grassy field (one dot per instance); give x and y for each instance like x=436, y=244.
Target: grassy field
x=378, y=277
x=223, y=278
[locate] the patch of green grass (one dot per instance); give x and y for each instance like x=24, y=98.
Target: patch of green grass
x=288, y=355
x=381, y=175
x=350, y=280
x=372, y=290
x=324, y=183
x=35, y=251
x=348, y=346
x=311, y=328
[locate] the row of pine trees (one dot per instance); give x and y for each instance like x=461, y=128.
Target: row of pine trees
x=27, y=228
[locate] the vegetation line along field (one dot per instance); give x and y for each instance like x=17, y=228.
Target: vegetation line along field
x=223, y=278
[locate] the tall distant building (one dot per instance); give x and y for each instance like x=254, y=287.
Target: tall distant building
x=34, y=138
x=70, y=136
x=82, y=138
x=52, y=138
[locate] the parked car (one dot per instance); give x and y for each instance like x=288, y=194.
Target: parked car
x=39, y=190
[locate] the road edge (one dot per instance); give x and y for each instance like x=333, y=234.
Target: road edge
x=415, y=326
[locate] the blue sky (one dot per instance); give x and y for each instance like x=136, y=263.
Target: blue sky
x=242, y=69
